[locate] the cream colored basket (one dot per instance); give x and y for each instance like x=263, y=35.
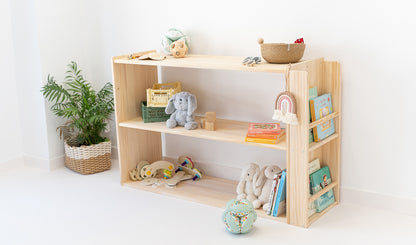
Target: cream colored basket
x=88, y=159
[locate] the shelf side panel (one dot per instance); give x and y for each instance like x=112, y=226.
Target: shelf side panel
x=297, y=154
x=331, y=152
x=130, y=84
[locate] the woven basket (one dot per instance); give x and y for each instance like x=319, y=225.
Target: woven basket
x=88, y=159
x=282, y=53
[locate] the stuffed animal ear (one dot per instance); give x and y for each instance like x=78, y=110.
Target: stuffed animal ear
x=261, y=177
x=171, y=105
x=191, y=104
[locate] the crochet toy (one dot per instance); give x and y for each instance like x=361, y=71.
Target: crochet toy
x=263, y=185
x=173, y=35
x=239, y=216
x=178, y=49
x=182, y=107
x=245, y=188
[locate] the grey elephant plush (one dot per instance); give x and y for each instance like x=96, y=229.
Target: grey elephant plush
x=182, y=107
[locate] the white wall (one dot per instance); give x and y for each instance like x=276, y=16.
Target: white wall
x=11, y=142
x=373, y=42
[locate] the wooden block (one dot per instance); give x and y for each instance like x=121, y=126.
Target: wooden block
x=210, y=126
x=203, y=123
x=210, y=116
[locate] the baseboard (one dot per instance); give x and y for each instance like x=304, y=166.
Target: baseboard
x=44, y=163
x=12, y=163
x=370, y=199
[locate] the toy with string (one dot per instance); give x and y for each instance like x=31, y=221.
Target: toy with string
x=285, y=105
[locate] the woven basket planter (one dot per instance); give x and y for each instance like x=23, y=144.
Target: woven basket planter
x=88, y=159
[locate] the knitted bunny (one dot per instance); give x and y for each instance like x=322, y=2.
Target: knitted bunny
x=182, y=107
x=263, y=185
x=245, y=188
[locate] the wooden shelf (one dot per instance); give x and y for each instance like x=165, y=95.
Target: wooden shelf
x=211, y=62
x=316, y=216
x=227, y=131
x=316, y=145
x=324, y=119
x=208, y=190
x=323, y=191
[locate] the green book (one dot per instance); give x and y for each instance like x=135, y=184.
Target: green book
x=313, y=93
x=319, y=180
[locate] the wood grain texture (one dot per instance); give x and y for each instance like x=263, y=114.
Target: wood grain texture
x=226, y=130
x=297, y=163
x=210, y=62
x=208, y=190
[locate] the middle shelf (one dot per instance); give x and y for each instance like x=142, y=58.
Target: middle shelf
x=227, y=131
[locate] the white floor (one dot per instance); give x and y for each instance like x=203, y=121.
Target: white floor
x=62, y=207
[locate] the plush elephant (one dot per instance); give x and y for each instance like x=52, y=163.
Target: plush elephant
x=239, y=216
x=182, y=107
x=263, y=185
x=245, y=187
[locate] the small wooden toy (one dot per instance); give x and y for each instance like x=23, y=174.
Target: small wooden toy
x=145, y=170
x=186, y=161
x=210, y=121
x=178, y=49
x=196, y=174
x=150, y=56
x=178, y=177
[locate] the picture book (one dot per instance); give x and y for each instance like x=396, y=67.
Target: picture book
x=319, y=180
x=281, y=194
x=264, y=128
x=272, y=196
x=320, y=107
x=313, y=93
x=312, y=167
x=267, y=140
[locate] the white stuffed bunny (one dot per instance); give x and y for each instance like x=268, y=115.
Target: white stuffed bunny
x=245, y=188
x=263, y=185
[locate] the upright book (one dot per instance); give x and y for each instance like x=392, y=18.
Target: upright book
x=279, y=206
x=319, y=180
x=320, y=107
x=312, y=167
x=313, y=93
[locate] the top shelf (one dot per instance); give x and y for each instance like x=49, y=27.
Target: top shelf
x=211, y=62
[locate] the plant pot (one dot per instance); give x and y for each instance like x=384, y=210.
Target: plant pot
x=88, y=159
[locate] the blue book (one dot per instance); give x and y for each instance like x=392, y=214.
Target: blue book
x=319, y=180
x=320, y=107
x=281, y=195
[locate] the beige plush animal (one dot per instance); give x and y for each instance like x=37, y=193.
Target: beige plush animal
x=245, y=188
x=263, y=185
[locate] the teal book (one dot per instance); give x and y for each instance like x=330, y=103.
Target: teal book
x=313, y=93
x=319, y=180
x=320, y=107
x=280, y=196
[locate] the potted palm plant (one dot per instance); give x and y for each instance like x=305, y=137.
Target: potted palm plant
x=88, y=113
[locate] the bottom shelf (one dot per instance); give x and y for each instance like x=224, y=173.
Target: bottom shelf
x=208, y=190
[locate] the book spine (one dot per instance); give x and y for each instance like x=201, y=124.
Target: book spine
x=279, y=193
x=275, y=194
x=263, y=141
x=272, y=194
x=313, y=116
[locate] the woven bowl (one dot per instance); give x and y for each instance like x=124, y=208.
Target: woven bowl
x=281, y=53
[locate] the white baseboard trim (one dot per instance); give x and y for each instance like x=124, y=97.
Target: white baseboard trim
x=44, y=163
x=370, y=199
x=12, y=163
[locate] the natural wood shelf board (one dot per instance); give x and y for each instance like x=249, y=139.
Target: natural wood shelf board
x=324, y=119
x=316, y=216
x=211, y=62
x=209, y=190
x=323, y=191
x=227, y=131
x=315, y=145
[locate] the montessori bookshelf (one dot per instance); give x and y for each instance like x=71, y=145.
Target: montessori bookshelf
x=139, y=141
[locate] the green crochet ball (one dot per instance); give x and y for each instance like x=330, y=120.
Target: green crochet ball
x=239, y=216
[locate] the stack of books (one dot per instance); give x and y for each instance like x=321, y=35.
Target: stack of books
x=277, y=198
x=266, y=133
